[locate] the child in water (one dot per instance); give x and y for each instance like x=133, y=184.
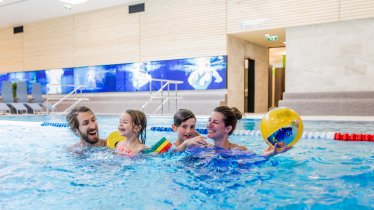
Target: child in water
x=185, y=127
x=132, y=125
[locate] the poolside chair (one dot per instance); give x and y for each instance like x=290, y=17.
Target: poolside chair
x=36, y=94
x=22, y=98
x=4, y=108
x=7, y=95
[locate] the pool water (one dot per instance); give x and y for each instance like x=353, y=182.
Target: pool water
x=38, y=171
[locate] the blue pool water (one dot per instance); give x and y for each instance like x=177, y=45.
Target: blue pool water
x=38, y=172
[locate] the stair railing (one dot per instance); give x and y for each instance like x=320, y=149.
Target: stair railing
x=160, y=94
x=67, y=97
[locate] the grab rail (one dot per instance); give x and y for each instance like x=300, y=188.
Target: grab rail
x=67, y=97
x=160, y=94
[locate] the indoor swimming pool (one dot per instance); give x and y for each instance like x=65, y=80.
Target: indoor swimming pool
x=39, y=172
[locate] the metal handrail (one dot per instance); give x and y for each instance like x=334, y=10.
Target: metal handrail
x=66, y=97
x=160, y=94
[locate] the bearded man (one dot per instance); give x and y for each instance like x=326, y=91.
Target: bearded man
x=82, y=121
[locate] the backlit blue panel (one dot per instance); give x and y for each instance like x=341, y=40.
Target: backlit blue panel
x=196, y=74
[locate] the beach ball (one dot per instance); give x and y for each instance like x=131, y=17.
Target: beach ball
x=281, y=125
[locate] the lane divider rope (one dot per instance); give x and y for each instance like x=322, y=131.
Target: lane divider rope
x=306, y=134
x=255, y=133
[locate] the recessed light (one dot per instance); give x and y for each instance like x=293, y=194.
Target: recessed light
x=74, y=1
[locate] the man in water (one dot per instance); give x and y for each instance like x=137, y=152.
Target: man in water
x=82, y=121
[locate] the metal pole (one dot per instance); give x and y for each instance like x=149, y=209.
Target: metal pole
x=176, y=97
x=162, y=97
x=150, y=88
x=169, y=96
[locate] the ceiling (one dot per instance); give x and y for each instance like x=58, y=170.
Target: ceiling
x=19, y=12
x=260, y=38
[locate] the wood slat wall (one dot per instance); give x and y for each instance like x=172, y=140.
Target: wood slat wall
x=182, y=29
x=106, y=37
x=49, y=44
x=11, y=56
x=279, y=14
x=288, y=13
x=166, y=30
x=356, y=9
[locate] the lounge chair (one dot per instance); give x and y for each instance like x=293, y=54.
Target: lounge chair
x=23, y=98
x=4, y=108
x=7, y=95
x=36, y=94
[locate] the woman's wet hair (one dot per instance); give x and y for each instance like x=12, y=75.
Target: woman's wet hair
x=72, y=120
x=230, y=116
x=182, y=115
x=138, y=118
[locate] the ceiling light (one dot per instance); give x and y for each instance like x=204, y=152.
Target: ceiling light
x=74, y=1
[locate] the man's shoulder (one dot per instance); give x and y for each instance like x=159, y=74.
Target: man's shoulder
x=101, y=143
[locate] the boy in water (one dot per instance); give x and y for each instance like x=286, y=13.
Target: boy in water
x=185, y=127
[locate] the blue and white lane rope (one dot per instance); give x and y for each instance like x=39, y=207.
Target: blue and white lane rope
x=255, y=133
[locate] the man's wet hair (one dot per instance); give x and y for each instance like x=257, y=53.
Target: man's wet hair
x=72, y=120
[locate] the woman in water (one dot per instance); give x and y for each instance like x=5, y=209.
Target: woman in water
x=222, y=123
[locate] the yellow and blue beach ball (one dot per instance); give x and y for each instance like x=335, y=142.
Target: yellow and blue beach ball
x=281, y=125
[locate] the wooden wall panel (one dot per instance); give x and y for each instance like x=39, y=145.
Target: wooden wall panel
x=165, y=30
x=356, y=9
x=258, y=14
x=106, y=37
x=49, y=44
x=11, y=55
x=182, y=29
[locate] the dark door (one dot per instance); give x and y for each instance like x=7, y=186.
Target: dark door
x=249, y=89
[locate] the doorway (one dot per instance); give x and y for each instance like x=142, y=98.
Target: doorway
x=277, y=71
x=249, y=85
x=276, y=86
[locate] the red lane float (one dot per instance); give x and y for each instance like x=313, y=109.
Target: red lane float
x=354, y=137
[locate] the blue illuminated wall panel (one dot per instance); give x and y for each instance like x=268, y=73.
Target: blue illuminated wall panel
x=3, y=77
x=202, y=73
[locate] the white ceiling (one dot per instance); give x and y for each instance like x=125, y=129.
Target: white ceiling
x=19, y=12
x=259, y=37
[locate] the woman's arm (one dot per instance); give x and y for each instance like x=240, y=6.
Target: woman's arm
x=279, y=147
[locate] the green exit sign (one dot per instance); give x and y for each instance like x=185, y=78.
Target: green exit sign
x=272, y=38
